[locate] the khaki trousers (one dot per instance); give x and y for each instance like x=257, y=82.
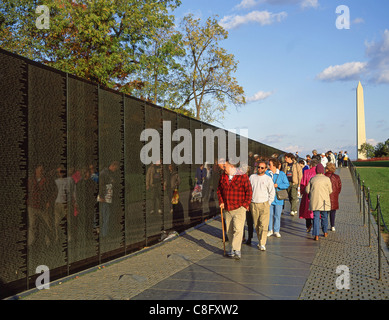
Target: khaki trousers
x=261, y=214
x=235, y=220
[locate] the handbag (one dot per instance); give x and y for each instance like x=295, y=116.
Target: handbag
x=175, y=197
x=281, y=194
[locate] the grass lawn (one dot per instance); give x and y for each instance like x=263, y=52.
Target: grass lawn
x=377, y=179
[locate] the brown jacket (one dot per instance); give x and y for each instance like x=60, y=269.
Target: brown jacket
x=297, y=172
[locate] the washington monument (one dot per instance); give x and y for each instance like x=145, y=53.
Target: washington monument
x=361, y=131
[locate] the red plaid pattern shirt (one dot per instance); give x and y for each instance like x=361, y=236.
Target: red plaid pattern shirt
x=235, y=193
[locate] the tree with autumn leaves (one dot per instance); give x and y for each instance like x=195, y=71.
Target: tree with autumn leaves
x=207, y=75
x=132, y=46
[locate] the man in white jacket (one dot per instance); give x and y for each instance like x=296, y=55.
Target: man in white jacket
x=263, y=196
x=323, y=160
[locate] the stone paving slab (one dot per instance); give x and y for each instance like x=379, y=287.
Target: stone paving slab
x=132, y=275
x=192, y=266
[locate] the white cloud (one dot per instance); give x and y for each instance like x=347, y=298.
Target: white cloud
x=358, y=21
x=309, y=4
x=375, y=70
x=378, y=54
x=260, y=17
x=260, y=95
x=381, y=77
x=246, y=4
x=343, y=72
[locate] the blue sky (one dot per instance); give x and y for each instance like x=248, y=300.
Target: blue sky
x=300, y=72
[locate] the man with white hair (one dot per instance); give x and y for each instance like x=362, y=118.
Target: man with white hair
x=263, y=196
x=234, y=194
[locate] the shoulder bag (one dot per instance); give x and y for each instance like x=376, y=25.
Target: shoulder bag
x=281, y=194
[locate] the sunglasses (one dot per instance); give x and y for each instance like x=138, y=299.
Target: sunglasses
x=261, y=167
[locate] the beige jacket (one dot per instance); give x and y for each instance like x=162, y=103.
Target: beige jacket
x=319, y=189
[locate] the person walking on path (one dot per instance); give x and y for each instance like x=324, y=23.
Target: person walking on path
x=280, y=183
x=263, y=196
x=234, y=193
x=336, y=189
x=345, y=159
x=340, y=159
x=294, y=174
x=324, y=159
x=304, y=212
x=332, y=157
x=319, y=189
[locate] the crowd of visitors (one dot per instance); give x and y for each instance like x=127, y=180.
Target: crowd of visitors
x=252, y=193
x=256, y=193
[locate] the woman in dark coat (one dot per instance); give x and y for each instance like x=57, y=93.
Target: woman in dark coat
x=336, y=188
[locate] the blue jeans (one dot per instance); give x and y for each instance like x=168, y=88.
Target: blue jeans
x=316, y=222
x=275, y=215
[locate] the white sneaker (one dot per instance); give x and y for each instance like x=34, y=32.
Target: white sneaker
x=262, y=247
x=292, y=213
x=333, y=229
x=269, y=233
x=277, y=234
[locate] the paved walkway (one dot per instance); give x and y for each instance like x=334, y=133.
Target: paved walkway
x=192, y=266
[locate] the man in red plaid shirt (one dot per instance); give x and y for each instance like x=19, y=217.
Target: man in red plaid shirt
x=234, y=194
